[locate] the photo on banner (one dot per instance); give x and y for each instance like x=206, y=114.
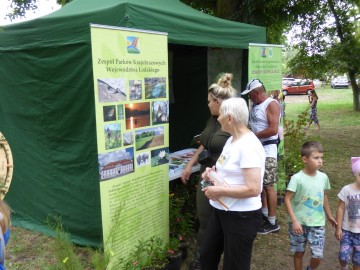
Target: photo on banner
x=131, y=91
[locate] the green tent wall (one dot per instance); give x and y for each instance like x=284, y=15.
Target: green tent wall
x=47, y=101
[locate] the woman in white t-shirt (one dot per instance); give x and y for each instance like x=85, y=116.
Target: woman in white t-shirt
x=235, y=193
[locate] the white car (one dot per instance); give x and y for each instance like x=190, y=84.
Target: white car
x=286, y=81
x=317, y=83
x=340, y=82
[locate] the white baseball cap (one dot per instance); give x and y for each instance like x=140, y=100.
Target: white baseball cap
x=254, y=83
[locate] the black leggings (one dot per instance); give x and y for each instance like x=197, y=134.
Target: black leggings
x=232, y=232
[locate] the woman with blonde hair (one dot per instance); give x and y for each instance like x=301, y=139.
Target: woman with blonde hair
x=212, y=141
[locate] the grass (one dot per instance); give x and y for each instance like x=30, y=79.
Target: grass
x=335, y=108
x=140, y=143
x=339, y=134
x=31, y=250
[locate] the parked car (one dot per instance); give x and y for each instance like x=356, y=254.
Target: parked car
x=296, y=88
x=317, y=83
x=339, y=82
x=286, y=81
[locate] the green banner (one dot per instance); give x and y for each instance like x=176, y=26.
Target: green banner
x=265, y=64
x=132, y=125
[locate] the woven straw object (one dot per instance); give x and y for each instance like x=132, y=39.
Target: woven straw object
x=6, y=166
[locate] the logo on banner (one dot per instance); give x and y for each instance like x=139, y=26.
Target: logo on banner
x=266, y=52
x=133, y=45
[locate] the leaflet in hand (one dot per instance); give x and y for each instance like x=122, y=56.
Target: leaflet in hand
x=226, y=202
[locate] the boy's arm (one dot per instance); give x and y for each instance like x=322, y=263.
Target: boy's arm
x=339, y=218
x=327, y=211
x=296, y=226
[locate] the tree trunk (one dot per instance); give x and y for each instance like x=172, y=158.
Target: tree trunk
x=344, y=40
x=356, y=99
x=226, y=8
x=356, y=91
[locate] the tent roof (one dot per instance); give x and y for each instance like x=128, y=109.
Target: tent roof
x=184, y=25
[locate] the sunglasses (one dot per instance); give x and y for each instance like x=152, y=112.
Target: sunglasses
x=253, y=80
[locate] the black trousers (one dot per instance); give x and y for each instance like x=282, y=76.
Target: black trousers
x=233, y=233
x=204, y=210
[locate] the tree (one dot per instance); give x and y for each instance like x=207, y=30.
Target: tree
x=314, y=66
x=328, y=31
x=20, y=7
x=329, y=40
x=274, y=15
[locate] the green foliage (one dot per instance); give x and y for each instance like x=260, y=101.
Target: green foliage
x=328, y=40
x=328, y=32
x=140, y=143
x=112, y=139
x=148, y=253
x=67, y=258
x=309, y=66
x=180, y=218
x=274, y=15
x=173, y=245
x=64, y=251
x=281, y=182
x=294, y=138
x=20, y=7
x=182, y=208
x=157, y=160
x=151, y=253
x=100, y=259
x=65, y=254
x=206, y=6
x=63, y=2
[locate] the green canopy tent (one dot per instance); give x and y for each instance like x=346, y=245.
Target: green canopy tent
x=47, y=101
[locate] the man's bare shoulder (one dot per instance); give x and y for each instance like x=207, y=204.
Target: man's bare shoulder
x=273, y=108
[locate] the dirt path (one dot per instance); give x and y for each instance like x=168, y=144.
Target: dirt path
x=271, y=252
x=329, y=262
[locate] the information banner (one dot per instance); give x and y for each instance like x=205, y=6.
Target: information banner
x=132, y=125
x=265, y=64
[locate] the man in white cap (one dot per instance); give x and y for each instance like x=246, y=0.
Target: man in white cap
x=264, y=122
